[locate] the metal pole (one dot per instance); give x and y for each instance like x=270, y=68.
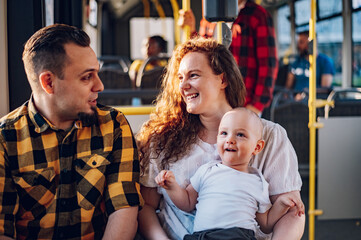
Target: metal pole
x=312, y=120
x=186, y=5
x=313, y=103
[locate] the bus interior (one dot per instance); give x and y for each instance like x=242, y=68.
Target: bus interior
x=117, y=29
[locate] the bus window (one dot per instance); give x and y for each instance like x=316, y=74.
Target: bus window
x=284, y=30
x=328, y=8
x=141, y=28
x=356, y=4
x=356, y=38
x=329, y=38
x=302, y=12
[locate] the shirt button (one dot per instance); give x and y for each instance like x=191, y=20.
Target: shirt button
x=63, y=202
x=94, y=163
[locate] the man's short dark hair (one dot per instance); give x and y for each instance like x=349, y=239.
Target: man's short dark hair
x=45, y=49
x=305, y=32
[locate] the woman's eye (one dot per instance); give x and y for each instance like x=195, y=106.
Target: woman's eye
x=193, y=75
x=240, y=135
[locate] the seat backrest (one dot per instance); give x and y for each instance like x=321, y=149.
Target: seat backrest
x=152, y=78
x=347, y=102
x=293, y=116
x=114, y=79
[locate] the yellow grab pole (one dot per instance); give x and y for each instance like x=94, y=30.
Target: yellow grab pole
x=311, y=124
x=161, y=14
x=175, y=8
x=219, y=32
x=186, y=5
x=136, y=110
x=146, y=15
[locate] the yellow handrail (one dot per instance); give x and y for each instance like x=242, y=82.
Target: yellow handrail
x=146, y=15
x=311, y=123
x=175, y=8
x=186, y=5
x=159, y=8
x=136, y=110
x=146, y=8
x=219, y=32
x=313, y=103
x=161, y=14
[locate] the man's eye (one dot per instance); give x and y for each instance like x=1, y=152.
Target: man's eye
x=87, y=77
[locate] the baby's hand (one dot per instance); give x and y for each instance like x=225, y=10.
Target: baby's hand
x=165, y=179
x=289, y=201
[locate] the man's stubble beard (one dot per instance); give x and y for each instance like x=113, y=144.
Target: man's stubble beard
x=89, y=119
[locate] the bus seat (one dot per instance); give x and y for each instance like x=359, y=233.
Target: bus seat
x=150, y=79
x=293, y=117
x=347, y=102
x=114, y=79
x=115, y=62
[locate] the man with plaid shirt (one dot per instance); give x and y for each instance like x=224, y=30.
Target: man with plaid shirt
x=69, y=168
x=254, y=48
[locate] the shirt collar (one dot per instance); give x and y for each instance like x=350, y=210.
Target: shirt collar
x=40, y=122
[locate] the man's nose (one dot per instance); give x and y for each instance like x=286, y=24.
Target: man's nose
x=98, y=84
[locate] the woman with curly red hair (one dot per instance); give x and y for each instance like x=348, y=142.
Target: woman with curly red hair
x=201, y=84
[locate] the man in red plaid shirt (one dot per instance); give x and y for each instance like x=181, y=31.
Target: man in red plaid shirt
x=254, y=48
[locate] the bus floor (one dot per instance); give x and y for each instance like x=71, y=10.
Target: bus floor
x=330, y=229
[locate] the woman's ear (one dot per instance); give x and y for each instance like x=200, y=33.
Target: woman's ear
x=259, y=147
x=46, y=79
x=224, y=81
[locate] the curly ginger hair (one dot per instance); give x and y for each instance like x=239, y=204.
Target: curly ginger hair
x=171, y=130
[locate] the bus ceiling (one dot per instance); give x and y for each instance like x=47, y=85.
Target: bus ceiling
x=121, y=7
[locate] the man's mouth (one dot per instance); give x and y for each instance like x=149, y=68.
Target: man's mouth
x=93, y=102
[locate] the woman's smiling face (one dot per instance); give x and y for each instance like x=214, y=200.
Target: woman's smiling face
x=201, y=89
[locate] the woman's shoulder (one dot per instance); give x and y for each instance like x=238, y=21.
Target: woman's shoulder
x=269, y=125
x=271, y=129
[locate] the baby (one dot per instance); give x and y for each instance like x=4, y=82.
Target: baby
x=231, y=196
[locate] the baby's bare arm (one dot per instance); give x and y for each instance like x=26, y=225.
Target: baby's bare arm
x=184, y=199
x=280, y=207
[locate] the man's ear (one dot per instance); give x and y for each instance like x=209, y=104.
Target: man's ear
x=46, y=79
x=224, y=81
x=259, y=147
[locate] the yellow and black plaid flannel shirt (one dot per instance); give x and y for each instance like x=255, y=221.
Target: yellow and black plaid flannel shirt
x=64, y=184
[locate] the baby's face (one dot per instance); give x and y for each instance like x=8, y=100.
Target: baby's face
x=237, y=138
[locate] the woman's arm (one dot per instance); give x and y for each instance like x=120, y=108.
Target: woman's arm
x=148, y=221
x=278, y=163
x=122, y=222
x=290, y=226
x=279, y=208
